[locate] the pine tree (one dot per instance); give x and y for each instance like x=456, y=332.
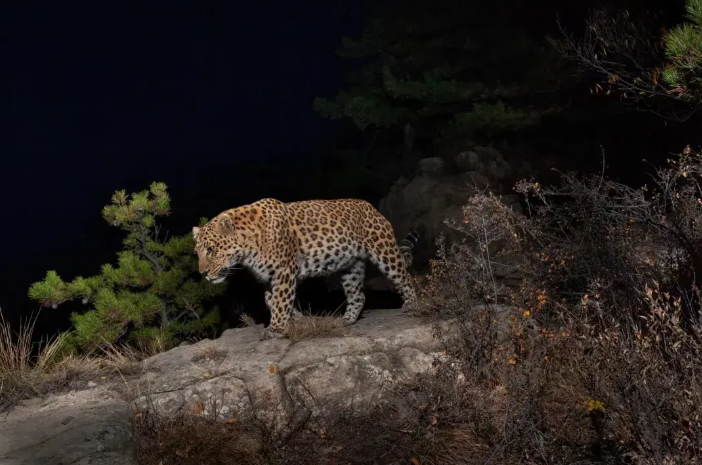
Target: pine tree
x=152, y=292
x=683, y=52
x=640, y=61
x=456, y=70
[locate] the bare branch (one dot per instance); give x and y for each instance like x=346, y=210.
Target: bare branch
x=628, y=56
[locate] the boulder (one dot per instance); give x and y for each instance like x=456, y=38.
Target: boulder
x=81, y=427
x=486, y=160
x=432, y=167
x=439, y=193
x=228, y=377
x=243, y=374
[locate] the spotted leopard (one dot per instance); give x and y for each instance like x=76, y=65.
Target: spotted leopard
x=284, y=243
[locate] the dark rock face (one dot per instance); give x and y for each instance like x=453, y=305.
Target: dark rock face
x=440, y=191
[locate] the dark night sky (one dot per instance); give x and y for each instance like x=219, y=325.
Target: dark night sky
x=205, y=97
x=98, y=98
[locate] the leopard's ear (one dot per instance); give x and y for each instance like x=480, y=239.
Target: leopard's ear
x=226, y=224
x=196, y=231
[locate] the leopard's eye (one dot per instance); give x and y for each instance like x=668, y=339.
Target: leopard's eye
x=210, y=250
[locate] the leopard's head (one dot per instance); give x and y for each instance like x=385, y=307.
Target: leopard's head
x=220, y=246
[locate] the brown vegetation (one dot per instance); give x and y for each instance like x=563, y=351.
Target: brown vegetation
x=54, y=369
x=312, y=326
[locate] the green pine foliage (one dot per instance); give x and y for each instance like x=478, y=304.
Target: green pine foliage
x=683, y=52
x=646, y=66
x=153, y=291
x=446, y=68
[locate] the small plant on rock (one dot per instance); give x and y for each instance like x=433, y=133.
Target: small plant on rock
x=153, y=294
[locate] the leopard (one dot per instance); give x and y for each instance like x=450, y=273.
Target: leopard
x=284, y=243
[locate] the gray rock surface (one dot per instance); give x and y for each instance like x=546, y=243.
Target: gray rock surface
x=83, y=427
x=229, y=377
x=236, y=373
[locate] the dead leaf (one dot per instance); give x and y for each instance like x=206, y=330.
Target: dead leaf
x=197, y=408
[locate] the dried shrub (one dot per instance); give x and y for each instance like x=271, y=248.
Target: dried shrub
x=185, y=439
x=643, y=381
x=594, y=355
x=606, y=240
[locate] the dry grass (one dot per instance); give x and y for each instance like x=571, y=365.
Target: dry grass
x=15, y=348
x=314, y=327
x=211, y=352
x=157, y=342
x=246, y=320
x=23, y=375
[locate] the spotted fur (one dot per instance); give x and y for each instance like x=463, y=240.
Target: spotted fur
x=284, y=243
x=407, y=247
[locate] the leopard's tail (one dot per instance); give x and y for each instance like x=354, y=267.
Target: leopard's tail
x=407, y=246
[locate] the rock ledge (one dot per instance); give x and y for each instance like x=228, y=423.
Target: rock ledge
x=229, y=377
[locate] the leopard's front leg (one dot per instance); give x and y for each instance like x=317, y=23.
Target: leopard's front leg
x=280, y=301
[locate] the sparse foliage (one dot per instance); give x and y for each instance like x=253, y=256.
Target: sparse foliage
x=612, y=240
x=641, y=62
x=609, y=273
